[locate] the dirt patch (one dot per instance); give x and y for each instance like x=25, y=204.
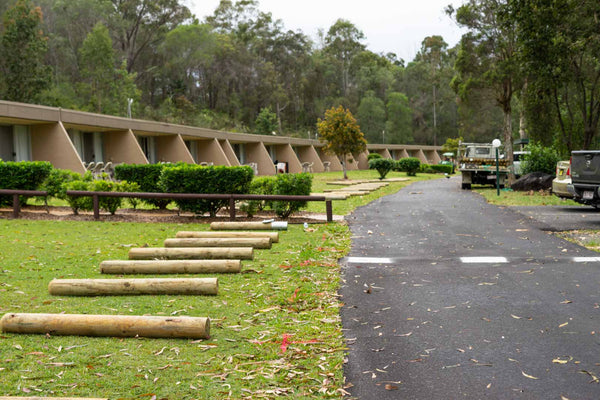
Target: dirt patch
x=33, y=212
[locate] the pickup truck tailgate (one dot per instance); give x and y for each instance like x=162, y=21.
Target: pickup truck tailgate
x=585, y=167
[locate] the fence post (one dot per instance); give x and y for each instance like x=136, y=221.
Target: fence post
x=96, y=203
x=231, y=209
x=16, y=206
x=329, y=208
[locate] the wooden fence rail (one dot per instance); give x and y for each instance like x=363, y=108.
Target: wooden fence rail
x=232, y=198
x=16, y=201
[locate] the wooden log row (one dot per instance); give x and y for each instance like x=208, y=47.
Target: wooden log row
x=274, y=236
x=257, y=243
x=107, y=325
x=148, y=267
x=254, y=226
x=120, y=287
x=191, y=253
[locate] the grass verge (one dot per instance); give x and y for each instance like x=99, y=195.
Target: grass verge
x=514, y=198
x=275, y=327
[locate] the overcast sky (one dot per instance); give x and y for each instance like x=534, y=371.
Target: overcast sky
x=397, y=26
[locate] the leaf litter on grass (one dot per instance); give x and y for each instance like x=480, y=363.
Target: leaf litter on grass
x=255, y=317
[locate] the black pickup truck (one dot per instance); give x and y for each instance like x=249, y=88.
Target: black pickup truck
x=585, y=177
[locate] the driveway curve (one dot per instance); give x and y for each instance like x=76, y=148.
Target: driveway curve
x=448, y=297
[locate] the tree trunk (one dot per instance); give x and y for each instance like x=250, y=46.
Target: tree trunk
x=124, y=287
x=258, y=226
x=274, y=236
x=107, y=325
x=508, y=145
x=148, y=267
x=257, y=243
x=192, y=253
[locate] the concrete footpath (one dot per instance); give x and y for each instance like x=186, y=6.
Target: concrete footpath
x=447, y=297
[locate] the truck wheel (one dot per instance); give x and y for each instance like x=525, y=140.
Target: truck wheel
x=466, y=186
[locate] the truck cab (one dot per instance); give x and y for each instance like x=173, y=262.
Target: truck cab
x=477, y=164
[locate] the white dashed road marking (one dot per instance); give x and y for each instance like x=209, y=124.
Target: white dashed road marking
x=483, y=260
x=369, y=260
x=586, y=259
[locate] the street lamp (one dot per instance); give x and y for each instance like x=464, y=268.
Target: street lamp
x=496, y=144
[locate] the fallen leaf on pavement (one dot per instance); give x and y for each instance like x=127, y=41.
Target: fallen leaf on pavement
x=528, y=376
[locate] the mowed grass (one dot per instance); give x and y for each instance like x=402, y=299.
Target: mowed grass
x=514, y=198
x=275, y=327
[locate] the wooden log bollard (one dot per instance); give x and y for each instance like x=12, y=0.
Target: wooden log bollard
x=107, y=325
x=257, y=243
x=170, y=266
x=274, y=236
x=253, y=226
x=191, y=253
x=119, y=287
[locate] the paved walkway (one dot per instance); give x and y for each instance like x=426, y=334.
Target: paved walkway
x=447, y=297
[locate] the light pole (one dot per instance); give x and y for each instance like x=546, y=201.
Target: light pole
x=496, y=144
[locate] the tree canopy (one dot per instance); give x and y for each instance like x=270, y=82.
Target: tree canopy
x=522, y=68
x=341, y=134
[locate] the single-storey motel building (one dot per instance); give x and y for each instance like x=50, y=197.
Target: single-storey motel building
x=73, y=139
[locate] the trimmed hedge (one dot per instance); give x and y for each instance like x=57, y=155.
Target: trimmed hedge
x=410, y=165
x=147, y=176
x=85, y=203
x=373, y=156
x=210, y=180
x=283, y=185
x=291, y=185
x=442, y=168
x=382, y=165
x=22, y=175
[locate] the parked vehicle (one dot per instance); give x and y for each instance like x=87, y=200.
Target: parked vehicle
x=585, y=177
x=477, y=165
x=517, y=160
x=563, y=178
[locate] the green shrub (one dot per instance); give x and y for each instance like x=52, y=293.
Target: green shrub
x=373, y=156
x=147, y=176
x=22, y=175
x=291, y=185
x=541, y=159
x=110, y=204
x=441, y=168
x=125, y=186
x=382, y=165
x=410, y=165
x=78, y=203
x=210, y=180
x=259, y=185
x=54, y=184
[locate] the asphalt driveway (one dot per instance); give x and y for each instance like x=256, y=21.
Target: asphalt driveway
x=448, y=297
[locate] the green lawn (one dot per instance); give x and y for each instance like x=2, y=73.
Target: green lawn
x=275, y=328
x=513, y=198
x=288, y=291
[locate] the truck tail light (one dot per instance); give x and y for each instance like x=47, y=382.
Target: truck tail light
x=569, y=169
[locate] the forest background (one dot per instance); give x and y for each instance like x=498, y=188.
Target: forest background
x=524, y=69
